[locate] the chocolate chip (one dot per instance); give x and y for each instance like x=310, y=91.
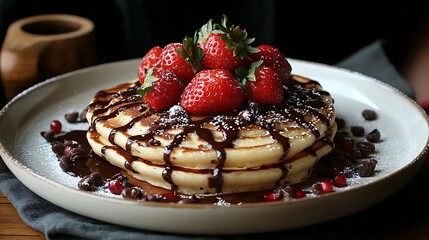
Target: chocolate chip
x=366, y=148
x=357, y=131
x=87, y=183
x=369, y=114
x=57, y=148
x=132, y=192
x=71, y=117
x=77, y=154
x=96, y=177
x=90, y=182
x=366, y=167
x=48, y=135
x=374, y=136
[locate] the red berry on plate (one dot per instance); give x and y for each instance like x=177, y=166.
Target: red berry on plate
x=324, y=186
x=67, y=150
x=271, y=196
x=115, y=186
x=299, y=193
x=148, y=61
x=161, y=89
x=210, y=92
x=340, y=180
x=171, y=196
x=56, y=126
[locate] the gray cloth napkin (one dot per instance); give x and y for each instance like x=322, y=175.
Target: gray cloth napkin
x=58, y=223
x=372, y=61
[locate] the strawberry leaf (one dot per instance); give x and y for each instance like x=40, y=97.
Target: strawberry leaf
x=241, y=75
x=147, y=84
x=236, y=39
x=253, y=68
x=191, y=52
x=244, y=75
x=251, y=49
x=205, y=31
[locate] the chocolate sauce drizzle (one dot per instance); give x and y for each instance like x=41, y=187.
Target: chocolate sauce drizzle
x=300, y=99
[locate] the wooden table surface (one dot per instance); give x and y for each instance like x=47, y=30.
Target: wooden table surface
x=404, y=215
x=11, y=225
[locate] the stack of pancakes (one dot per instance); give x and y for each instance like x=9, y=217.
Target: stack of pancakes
x=257, y=148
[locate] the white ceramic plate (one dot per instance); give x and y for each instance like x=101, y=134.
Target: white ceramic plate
x=404, y=145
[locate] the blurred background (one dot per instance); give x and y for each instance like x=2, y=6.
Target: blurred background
x=324, y=31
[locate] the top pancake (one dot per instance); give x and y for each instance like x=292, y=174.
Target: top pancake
x=252, y=138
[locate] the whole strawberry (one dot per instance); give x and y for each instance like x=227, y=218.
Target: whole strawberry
x=172, y=61
x=183, y=59
x=161, y=89
x=273, y=58
x=213, y=91
x=225, y=46
x=267, y=88
x=149, y=60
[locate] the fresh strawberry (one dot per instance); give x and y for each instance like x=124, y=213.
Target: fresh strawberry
x=213, y=91
x=273, y=58
x=161, y=88
x=225, y=46
x=266, y=88
x=149, y=60
x=172, y=61
x=183, y=59
x=263, y=84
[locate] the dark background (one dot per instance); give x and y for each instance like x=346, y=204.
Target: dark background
x=322, y=31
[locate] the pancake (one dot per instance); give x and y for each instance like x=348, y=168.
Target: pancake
x=256, y=148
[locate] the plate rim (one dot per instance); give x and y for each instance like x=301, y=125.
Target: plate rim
x=4, y=150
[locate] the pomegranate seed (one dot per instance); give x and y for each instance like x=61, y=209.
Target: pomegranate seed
x=346, y=144
x=170, y=196
x=115, y=187
x=324, y=186
x=271, y=196
x=300, y=194
x=340, y=180
x=56, y=126
x=67, y=150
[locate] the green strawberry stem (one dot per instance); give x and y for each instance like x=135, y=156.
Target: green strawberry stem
x=147, y=84
x=205, y=31
x=244, y=75
x=191, y=52
x=236, y=38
